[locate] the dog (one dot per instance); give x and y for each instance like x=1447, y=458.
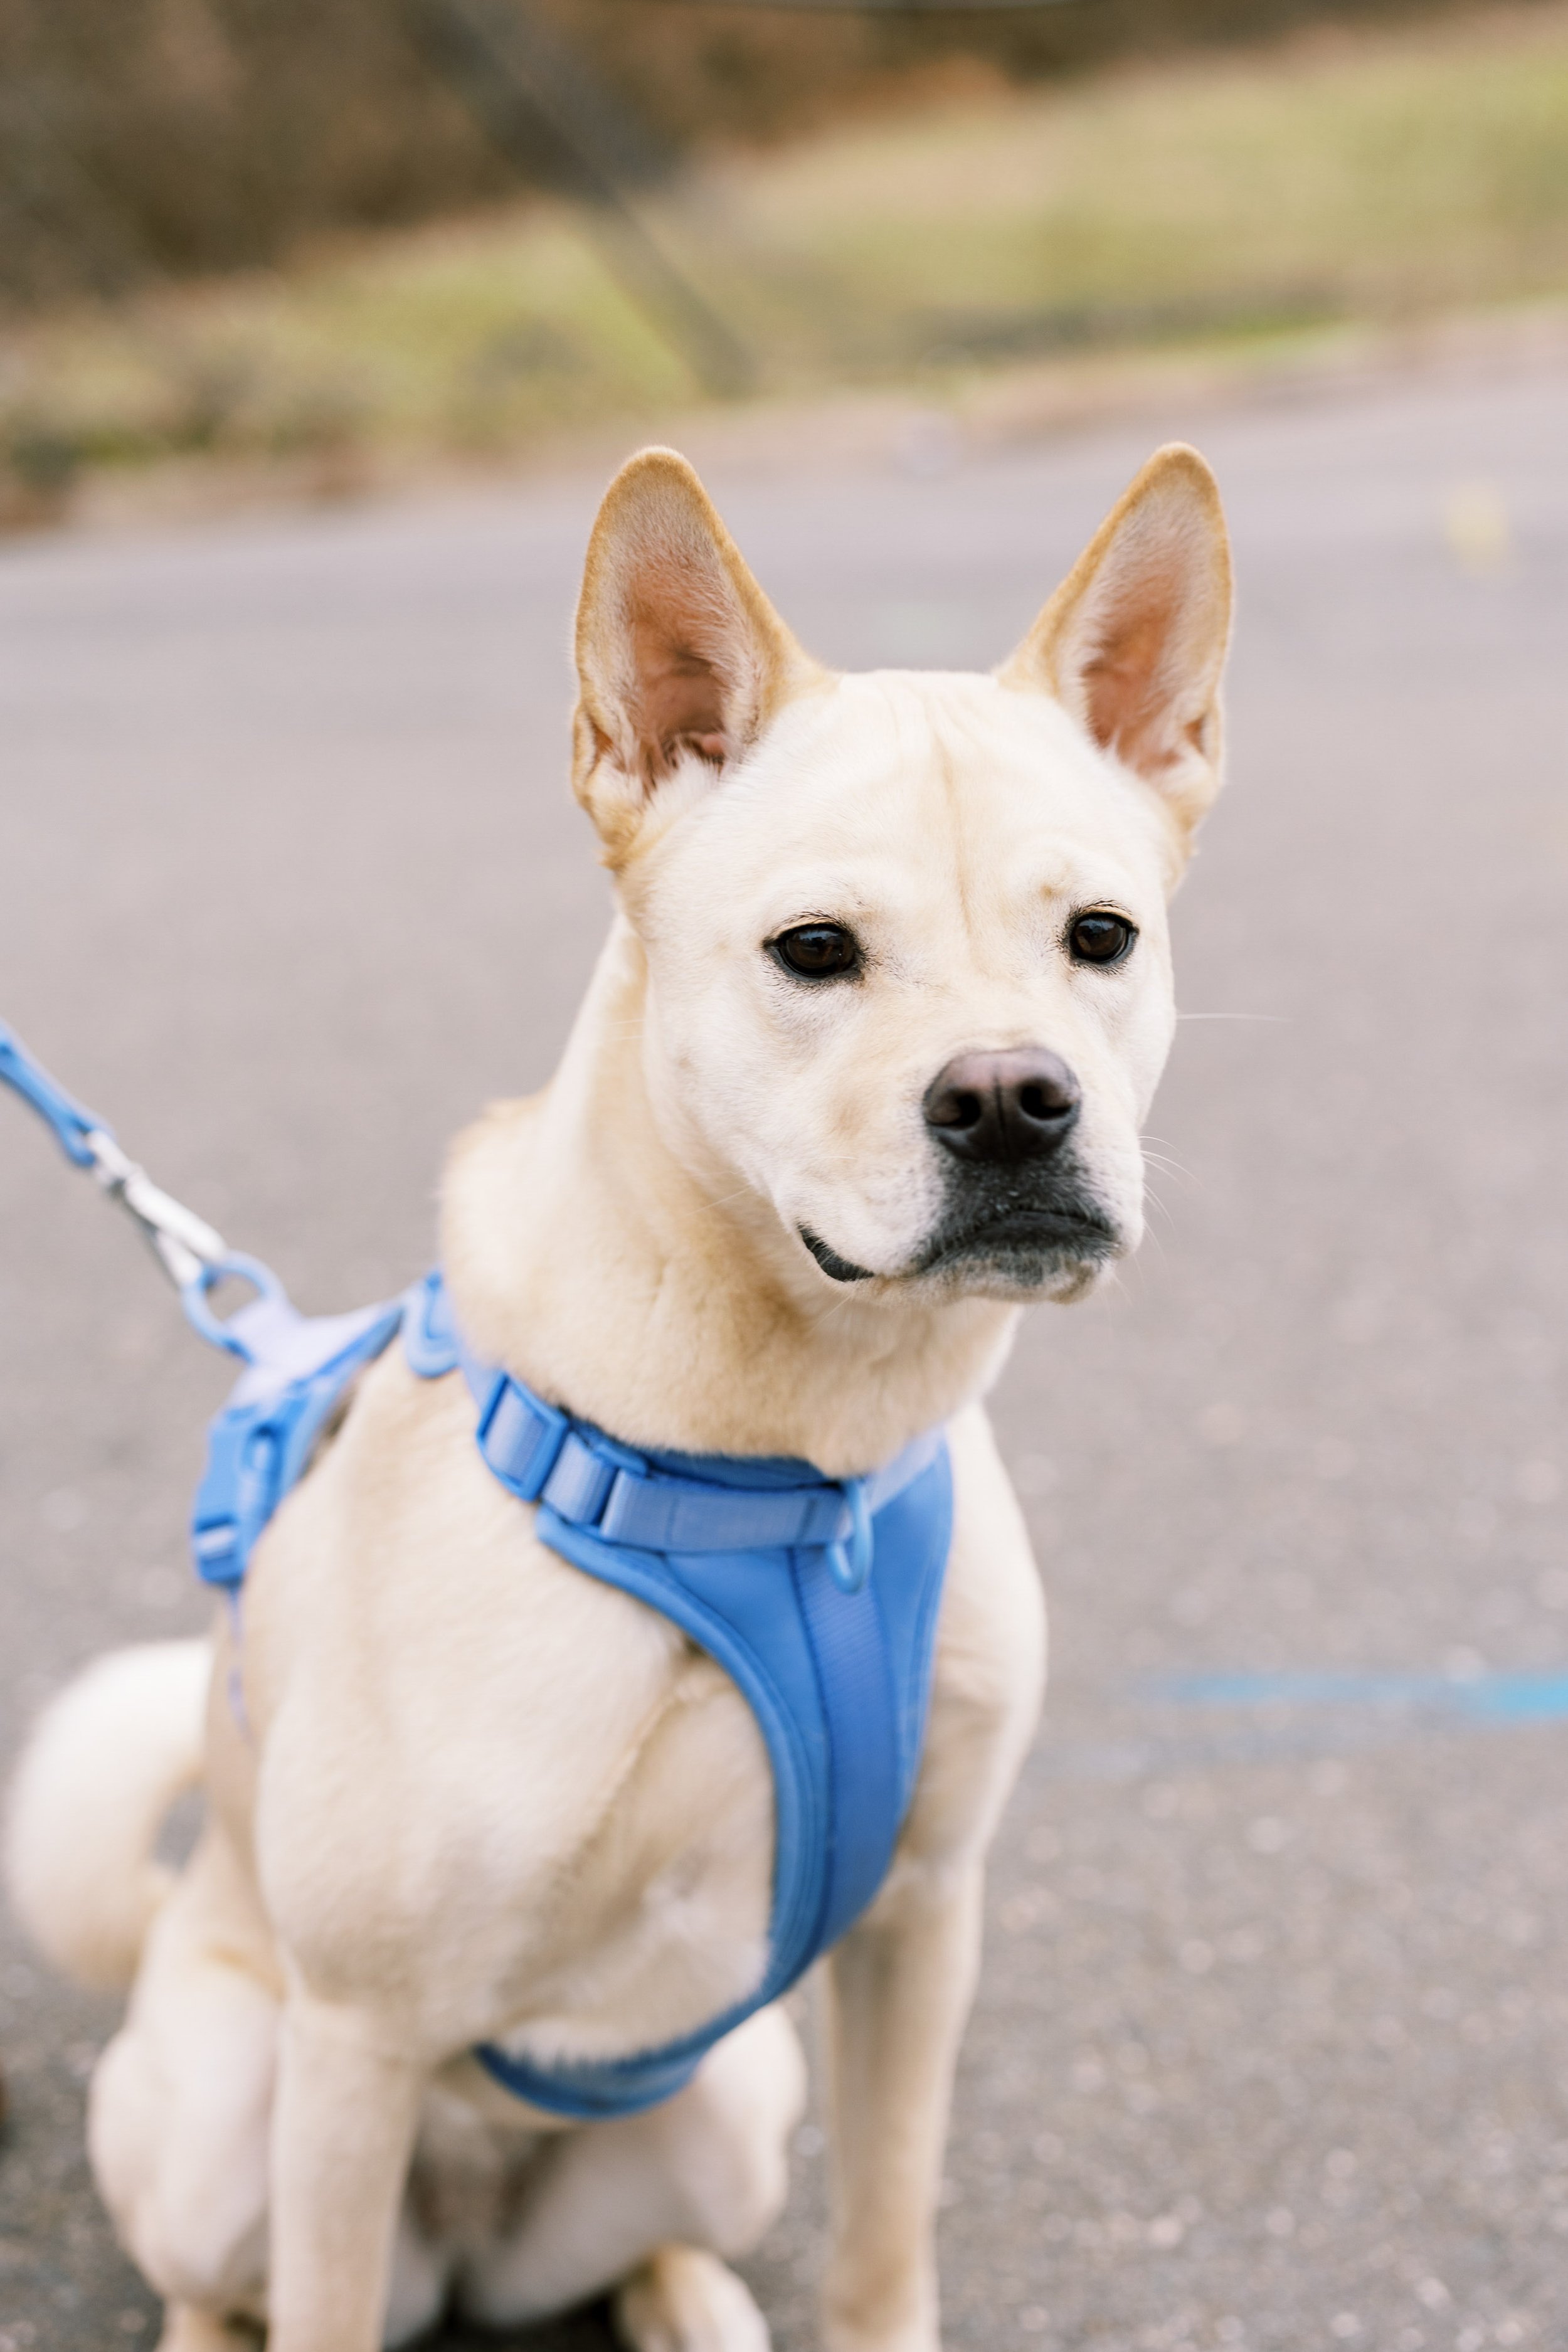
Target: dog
x=861, y=1072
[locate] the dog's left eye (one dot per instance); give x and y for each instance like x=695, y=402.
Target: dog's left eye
x=817, y=950
x=1100, y=937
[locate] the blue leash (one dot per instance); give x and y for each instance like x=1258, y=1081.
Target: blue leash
x=297, y=1366
x=193, y=1256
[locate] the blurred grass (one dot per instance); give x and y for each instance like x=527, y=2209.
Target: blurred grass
x=1378, y=175
x=1370, y=174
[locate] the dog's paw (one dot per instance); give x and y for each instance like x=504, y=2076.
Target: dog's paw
x=857, y=2329
x=186, y=2329
x=686, y=2301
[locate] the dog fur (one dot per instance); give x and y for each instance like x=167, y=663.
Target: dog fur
x=478, y=1795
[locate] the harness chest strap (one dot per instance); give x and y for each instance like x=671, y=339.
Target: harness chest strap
x=765, y=1564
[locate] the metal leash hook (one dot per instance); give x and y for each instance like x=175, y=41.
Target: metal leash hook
x=192, y=1253
x=187, y=1248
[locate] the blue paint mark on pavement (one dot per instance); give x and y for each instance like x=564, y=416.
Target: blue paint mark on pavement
x=1496, y=1698
x=1295, y=1717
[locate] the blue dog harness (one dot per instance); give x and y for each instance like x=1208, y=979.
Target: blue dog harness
x=817, y=1596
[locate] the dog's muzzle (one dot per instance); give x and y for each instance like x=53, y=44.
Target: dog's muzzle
x=1018, y=1213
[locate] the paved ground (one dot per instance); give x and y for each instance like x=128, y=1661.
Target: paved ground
x=1272, y=2049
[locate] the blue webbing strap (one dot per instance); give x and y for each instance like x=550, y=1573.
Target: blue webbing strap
x=72, y=1125
x=586, y=1480
x=259, y=1446
x=190, y=1253
x=849, y=1645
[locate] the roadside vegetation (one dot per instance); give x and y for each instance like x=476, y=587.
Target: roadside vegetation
x=1334, y=176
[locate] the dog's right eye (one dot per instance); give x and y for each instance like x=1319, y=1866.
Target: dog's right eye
x=1100, y=937
x=817, y=950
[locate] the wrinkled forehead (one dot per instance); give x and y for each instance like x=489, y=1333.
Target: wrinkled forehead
x=910, y=792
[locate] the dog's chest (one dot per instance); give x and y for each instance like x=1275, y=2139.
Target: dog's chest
x=660, y=1920
x=568, y=1834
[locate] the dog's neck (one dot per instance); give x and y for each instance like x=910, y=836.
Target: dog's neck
x=589, y=1258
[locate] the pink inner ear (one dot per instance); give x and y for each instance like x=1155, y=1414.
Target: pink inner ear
x=1127, y=687
x=680, y=700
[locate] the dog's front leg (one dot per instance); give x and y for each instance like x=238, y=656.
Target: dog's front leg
x=344, y=2128
x=900, y=1986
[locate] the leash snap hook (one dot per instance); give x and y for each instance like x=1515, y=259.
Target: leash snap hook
x=849, y=1560
x=184, y=1244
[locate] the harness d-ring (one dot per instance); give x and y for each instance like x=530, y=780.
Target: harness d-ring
x=849, y=1561
x=194, y=1299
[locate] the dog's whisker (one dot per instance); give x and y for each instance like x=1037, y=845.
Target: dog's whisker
x=1153, y=1236
x=724, y=1200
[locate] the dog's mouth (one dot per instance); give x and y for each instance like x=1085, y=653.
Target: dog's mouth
x=839, y=1269
x=1023, y=1248
x=1026, y=1248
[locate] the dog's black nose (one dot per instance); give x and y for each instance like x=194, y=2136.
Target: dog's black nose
x=1002, y=1107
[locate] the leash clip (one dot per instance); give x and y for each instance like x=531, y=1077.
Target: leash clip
x=184, y=1244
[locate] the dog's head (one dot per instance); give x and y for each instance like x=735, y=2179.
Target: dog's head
x=908, y=967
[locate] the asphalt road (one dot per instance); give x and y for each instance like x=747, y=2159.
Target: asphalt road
x=1272, y=2047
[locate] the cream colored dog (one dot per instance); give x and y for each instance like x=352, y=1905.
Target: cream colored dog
x=862, y=1068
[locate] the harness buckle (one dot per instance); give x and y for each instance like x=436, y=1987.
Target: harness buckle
x=520, y=1437
x=236, y=1495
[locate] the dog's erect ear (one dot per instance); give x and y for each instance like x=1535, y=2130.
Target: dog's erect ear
x=1133, y=642
x=681, y=660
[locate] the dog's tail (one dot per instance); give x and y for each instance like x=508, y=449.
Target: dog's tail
x=105, y=1762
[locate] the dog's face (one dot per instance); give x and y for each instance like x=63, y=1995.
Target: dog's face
x=909, y=976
